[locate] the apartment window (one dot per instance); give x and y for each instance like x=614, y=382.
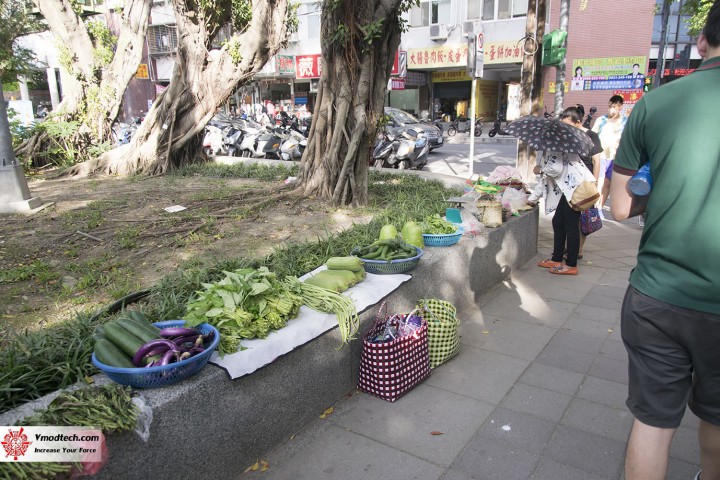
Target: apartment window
x=309, y=15
x=504, y=9
x=430, y=12
x=473, y=9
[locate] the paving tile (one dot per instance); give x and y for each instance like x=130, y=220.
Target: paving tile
x=517, y=430
x=610, y=369
x=478, y=374
x=614, y=349
x=594, y=417
x=580, y=324
x=565, y=359
x=406, y=424
x=612, y=303
x=608, y=291
x=551, y=470
x=509, y=337
x=552, y=378
x=451, y=474
x=603, y=391
x=599, y=314
x=607, y=263
x=346, y=455
x=536, y=401
x=586, y=451
x=487, y=460
x=531, y=309
x=577, y=341
x=682, y=470
x=685, y=445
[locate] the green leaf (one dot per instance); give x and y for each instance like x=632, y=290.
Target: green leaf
x=229, y=302
x=258, y=288
x=214, y=312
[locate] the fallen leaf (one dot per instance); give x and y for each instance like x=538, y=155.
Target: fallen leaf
x=610, y=330
x=253, y=467
x=327, y=412
x=89, y=379
x=486, y=331
x=437, y=433
x=292, y=436
x=264, y=465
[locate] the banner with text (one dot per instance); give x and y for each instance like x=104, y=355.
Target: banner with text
x=611, y=73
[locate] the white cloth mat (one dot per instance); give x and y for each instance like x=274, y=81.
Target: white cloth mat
x=307, y=325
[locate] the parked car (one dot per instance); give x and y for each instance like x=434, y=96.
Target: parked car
x=400, y=119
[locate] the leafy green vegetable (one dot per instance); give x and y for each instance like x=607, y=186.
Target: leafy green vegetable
x=247, y=303
x=436, y=225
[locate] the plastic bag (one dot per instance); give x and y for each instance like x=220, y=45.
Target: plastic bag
x=514, y=199
x=504, y=172
x=471, y=224
x=145, y=418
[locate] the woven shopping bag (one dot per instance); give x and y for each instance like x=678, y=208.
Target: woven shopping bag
x=390, y=369
x=443, y=336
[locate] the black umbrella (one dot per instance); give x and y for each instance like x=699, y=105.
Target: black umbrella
x=549, y=134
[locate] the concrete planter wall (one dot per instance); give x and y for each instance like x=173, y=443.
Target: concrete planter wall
x=211, y=427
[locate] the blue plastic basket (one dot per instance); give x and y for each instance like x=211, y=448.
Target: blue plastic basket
x=384, y=267
x=154, y=377
x=443, y=240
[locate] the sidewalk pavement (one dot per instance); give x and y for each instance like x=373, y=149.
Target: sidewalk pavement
x=536, y=392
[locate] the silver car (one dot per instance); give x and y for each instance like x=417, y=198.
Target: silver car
x=398, y=119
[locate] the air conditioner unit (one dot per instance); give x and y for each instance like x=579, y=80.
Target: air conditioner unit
x=293, y=38
x=314, y=85
x=438, y=32
x=470, y=28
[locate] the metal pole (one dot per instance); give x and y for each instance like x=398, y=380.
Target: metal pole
x=660, y=68
x=471, y=159
x=560, y=73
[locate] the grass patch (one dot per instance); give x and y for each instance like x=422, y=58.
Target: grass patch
x=238, y=170
x=38, y=271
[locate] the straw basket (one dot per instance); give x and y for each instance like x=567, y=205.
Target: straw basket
x=443, y=336
x=490, y=212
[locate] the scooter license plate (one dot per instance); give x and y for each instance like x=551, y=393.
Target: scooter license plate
x=440, y=140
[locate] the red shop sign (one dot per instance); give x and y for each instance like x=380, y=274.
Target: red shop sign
x=308, y=66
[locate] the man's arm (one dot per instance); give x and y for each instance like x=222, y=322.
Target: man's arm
x=623, y=204
x=596, y=161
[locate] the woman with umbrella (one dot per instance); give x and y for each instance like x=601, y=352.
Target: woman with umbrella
x=562, y=171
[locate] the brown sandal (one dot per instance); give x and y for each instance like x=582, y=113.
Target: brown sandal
x=564, y=270
x=548, y=263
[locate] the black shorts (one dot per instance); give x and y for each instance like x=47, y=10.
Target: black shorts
x=674, y=355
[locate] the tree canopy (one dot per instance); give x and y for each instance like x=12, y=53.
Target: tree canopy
x=14, y=22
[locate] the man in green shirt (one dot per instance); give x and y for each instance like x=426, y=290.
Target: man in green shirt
x=671, y=311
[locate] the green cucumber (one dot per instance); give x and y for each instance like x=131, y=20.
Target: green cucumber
x=98, y=333
x=138, y=316
x=109, y=354
x=141, y=332
x=123, y=339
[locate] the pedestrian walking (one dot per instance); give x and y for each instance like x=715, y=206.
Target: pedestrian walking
x=671, y=312
x=609, y=128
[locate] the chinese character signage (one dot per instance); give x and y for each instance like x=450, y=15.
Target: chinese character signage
x=630, y=97
x=614, y=73
x=142, y=71
x=437, y=57
x=285, y=64
x=503, y=52
x=308, y=66
x=397, y=83
x=450, y=76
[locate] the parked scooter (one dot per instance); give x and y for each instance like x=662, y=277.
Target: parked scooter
x=497, y=126
x=384, y=148
x=409, y=149
x=213, y=141
x=462, y=125
x=293, y=146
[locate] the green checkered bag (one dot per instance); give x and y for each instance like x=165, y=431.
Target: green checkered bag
x=443, y=337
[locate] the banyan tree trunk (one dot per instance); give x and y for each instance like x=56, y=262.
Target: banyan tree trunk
x=350, y=99
x=202, y=80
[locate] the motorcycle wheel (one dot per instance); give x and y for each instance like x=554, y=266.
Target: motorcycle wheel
x=403, y=165
x=478, y=131
x=452, y=131
x=492, y=133
x=421, y=166
x=208, y=151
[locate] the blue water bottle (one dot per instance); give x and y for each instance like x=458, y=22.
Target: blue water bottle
x=641, y=183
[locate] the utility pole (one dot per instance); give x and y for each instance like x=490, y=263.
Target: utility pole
x=560, y=72
x=531, y=79
x=660, y=68
x=14, y=192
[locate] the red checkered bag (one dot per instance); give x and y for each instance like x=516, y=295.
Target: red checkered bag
x=389, y=369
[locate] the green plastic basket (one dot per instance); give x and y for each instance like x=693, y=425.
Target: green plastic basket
x=443, y=336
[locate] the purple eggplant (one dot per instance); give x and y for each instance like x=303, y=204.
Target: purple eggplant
x=159, y=350
x=150, y=364
x=195, y=350
x=169, y=355
x=172, y=332
x=185, y=339
x=145, y=349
